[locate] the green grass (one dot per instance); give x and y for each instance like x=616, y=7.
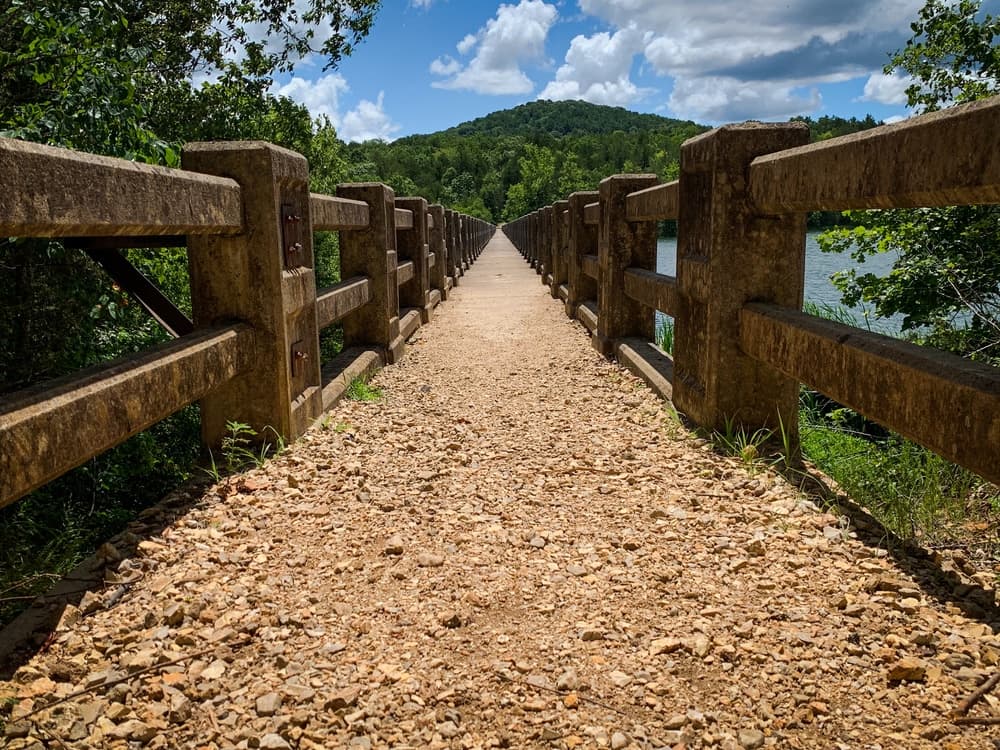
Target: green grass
x=665, y=335
x=359, y=390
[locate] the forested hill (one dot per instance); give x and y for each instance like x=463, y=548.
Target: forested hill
x=565, y=118
x=507, y=163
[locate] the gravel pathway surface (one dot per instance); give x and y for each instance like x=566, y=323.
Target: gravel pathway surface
x=518, y=545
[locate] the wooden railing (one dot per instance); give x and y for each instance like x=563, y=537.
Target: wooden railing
x=742, y=344
x=251, y=354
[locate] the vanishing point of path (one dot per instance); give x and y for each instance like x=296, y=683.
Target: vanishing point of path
x=517, y=546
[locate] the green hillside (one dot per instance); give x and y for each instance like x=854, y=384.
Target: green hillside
x=564, y=118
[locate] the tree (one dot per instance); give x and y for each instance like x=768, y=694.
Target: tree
x=945, y=281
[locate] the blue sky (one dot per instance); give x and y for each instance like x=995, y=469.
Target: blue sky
x=431, y=64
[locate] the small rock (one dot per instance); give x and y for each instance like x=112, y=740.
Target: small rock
x=537, y=542
x=907, y=669
x=274, y=741
x=393, y=546
x=576, y=570
x=269, y=704
x=756, y=548
x=450, y=619
x=429, y=560
x=618, y=741
x=664, y=646
x=568, y=680
x=620, y=679
x=751, y=739
x=592, y=634
x=343, y=699
x=448, y=729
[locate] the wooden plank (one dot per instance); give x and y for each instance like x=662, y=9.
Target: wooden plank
x=655, y=290
x=590, y=266
x=55, y=192
x=330, y=213
x=404, y=272
x=650, y=363
x=409, y=322
x=592, y=213
x=404, y=219
x=586, y=313
x=653, y=204
x=337, y=374
x=48, y=430
x=337, y=302
x=947, y=403
x=945, y=158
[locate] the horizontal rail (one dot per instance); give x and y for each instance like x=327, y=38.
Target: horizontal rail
x=337, y=302
x=586, y=313
x=330, y=214
x=655, y=290
x=592, y=213
x=949, y=404
x=55, y=192
x=657, y=203
x=404, y=218
x=590, y=266
x=939, y=159
x=404, y=272
x=46, y=431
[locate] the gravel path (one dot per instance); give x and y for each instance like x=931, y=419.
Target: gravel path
x=518, y=546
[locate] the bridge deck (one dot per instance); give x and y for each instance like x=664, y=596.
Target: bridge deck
x=517, y=546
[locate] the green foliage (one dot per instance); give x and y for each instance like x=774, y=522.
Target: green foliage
x=735, y=440
x=244, y=448
x=945, y=282
x=953, y=56
x=360, y=390
x=665, y=335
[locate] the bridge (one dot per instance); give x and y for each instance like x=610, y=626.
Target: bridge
x=521, y=543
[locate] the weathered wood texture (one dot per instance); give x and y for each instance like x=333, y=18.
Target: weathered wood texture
x=47, y=431
x=949, y=404
x=942, y=158
x=330, y=213
x=55, y=192
x=335, y=303
x=656, y=203
x=655, y=290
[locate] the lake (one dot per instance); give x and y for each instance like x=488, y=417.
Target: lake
x=820, y=267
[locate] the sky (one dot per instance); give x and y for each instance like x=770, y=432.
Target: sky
x=432, y=64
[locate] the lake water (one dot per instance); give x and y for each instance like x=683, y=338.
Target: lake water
x=820, y=267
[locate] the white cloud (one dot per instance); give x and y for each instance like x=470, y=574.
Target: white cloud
x=467, y=43
x=754, y=55
x=886, y=89
x=729, y=99
x=368, y=121
x=516, y=35
x=445, y=66
x=321, y=97
x=425, y=4
x=597, y=69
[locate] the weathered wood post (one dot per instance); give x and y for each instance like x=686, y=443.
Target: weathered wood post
x=729, y=255
x=436, y=244
x=532, y=239
x=545, y=243
x=621, y=244
x=265, y=276
x=559, y=241
x=411, y=244
x=454, y=252
x=582, y=241
x=372, y=252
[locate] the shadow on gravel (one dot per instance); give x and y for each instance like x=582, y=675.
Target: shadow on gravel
x=99, y=582
x=936, y=575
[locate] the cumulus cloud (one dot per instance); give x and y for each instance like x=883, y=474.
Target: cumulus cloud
x=598, y=67
x=886, y=89
x=367, y=121
x=732, y=59
x=516, y=35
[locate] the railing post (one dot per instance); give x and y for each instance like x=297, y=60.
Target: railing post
x=264, y=276
x=436, y=245
x=582, y=241
x=411, y=244
x=545, y=247
x=558, y=253
x=372, y=252
x=622, y=244
x=729, y=255
x=454, y=256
